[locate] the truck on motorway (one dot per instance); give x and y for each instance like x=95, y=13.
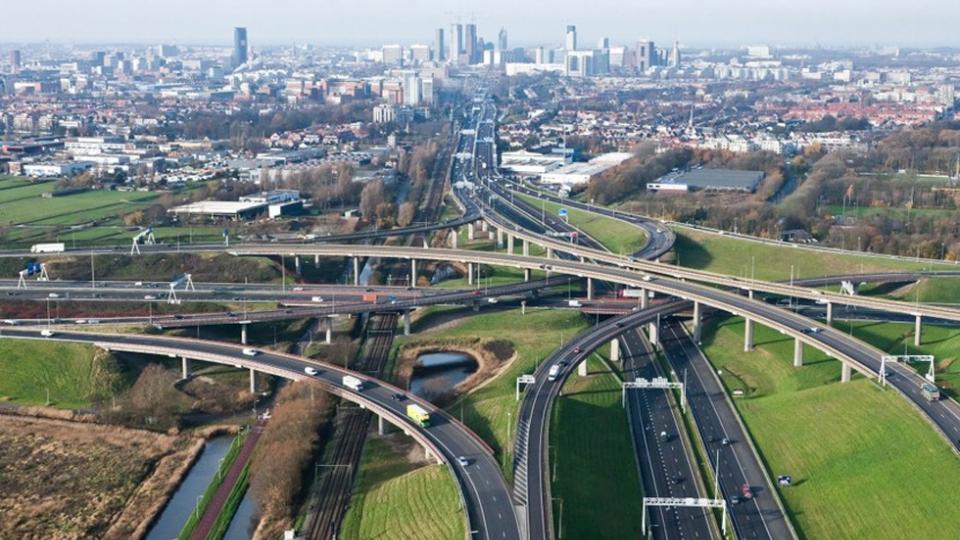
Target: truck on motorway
x=53, y=247
x=418, y=414
x=574, y=303
x=370, y=297
x=316, y=299
x=553, y=373
x=352, y=383
x=930, y=392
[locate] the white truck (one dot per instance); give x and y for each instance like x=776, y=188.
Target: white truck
x=574, y=303
x=353, y=383
x=53, y=247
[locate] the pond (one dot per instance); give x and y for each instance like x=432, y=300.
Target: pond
x=436, y=373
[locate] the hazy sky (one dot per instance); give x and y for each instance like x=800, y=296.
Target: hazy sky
x=351, y=22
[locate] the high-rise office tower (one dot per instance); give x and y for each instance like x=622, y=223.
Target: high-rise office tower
x=439, y=47
x=675, y=55
x=571, y=42
x=502, y=40
x=646, y=54
x=470, y=48
x=456, y=42
x=603, y=43
x=239, y=46
x=15, y=61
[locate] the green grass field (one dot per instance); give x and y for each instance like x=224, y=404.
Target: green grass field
x=597, y=478
x=394, y=499
x=491, y=410
x=74, y=374
x=22, y=204
x=865, y=465
x=617, y=236
x=726, y=255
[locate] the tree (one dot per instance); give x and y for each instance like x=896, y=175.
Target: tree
x=406, y=214
x=371, y=198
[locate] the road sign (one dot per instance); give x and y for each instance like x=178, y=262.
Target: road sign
x=524, y=379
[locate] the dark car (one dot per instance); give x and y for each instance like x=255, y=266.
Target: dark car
x=398, y=397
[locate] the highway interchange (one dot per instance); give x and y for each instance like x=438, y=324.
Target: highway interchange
x=489, y=502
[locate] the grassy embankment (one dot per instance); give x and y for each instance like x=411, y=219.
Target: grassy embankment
x=726, y=255
x=397, y=498
x=864, y=463
x=74, y=375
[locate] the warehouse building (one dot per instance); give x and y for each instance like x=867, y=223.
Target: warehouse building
x=708, y=180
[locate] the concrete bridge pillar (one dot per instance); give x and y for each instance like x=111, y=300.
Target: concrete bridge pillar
x=653, y=331
x=696, y=322
x=406, y=322
x=549, y=252
x=829, y=313
x=643, y=299
x=469, y=273
x=526, y=274
x=582, y=368
x=526, y=247
x=184, y=367
x=747, y=334
x=381, y=426
x=797, y=353
x=296, y=264
x=615, y=349
x=328, y=331
x=356, y=271
x=454, y=234
x=253, y=381
x=589, y=288
x=845, y=372
x=243, y=334
x=471, y=232
x=916, y=330
x=426, y=241
x=413, y=272
x=509, y=244
x=499, y=238
x=316, y=260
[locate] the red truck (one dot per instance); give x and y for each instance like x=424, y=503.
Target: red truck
x=370, y=297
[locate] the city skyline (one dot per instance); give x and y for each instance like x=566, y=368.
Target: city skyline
x=695, y=24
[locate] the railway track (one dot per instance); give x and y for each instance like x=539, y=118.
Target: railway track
x=338, y=474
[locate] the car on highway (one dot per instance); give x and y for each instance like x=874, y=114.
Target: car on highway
x=734, y=499
x=149, y=297
x=310, y=371
x=250, y=351
x=398, y=397
x=46, y=333
x=53, y=295
x=553, y=373
x=577, y=350
x=463, y=461
x=812, y=330
x=10, y=322
x=620, y=324
x=477, y=292
x=745, y=491
x=725, y=441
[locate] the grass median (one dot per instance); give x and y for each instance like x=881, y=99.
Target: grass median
x=596, y=482
x=617, y=236
x=864, y=463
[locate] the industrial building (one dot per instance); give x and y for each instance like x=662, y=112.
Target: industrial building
x=709, y=180
x=275, y=203
x=581, y=173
